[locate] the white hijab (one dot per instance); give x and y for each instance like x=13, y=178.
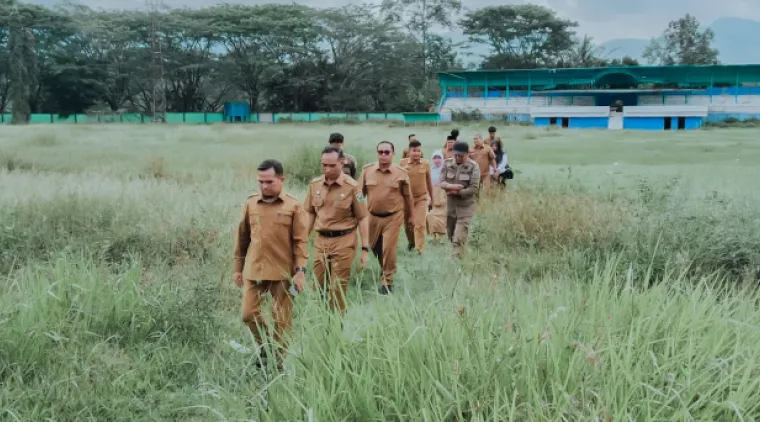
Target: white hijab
x=435, y=172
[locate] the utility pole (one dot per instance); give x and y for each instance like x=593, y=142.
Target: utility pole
x=158, y=102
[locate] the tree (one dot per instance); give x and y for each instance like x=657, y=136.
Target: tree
x=520, y=36
x=419, y=17
x=682, y=43
x=21, y=67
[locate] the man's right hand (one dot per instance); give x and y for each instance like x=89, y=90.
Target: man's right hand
x=238, y=279
x=363, y=259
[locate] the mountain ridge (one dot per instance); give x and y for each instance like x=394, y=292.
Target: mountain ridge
x=732, y=34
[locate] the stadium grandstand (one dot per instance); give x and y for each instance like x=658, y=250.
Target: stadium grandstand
x=624, y=97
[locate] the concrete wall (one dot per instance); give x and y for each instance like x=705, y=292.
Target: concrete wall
x=569, y=111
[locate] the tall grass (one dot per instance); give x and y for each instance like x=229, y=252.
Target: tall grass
x=579, y=299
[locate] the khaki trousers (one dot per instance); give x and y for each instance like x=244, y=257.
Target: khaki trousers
x=383, y=239
x=416, y=236
x=282, y=309
x=458, y=230
x=332, y=267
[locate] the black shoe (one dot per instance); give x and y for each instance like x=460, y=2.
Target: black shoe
x=262, y=360
x=385, y=290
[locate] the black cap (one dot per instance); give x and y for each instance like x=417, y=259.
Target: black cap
x=461, y=148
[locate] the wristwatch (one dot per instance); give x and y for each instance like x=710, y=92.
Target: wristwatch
x=300, y=269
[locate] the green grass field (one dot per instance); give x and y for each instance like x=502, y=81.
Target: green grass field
x=615, y=280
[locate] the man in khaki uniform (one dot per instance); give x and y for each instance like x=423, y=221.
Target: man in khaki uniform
x=386, y=186
x=492, y=135
x=483, y=155
x=460, y=178
x=348, y=161
x=412, y=138
x=418, y=170
x=270, y=248
x=448, y=151
x=334, y=207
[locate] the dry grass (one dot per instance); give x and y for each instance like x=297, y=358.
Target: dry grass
x=614, y=281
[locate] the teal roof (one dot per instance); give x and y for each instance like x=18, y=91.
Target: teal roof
x=606, y=76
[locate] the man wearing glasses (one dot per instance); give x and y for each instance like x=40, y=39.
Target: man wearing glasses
x=388, y=191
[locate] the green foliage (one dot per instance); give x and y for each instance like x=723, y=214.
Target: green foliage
x=520, y=36
x=683, y=43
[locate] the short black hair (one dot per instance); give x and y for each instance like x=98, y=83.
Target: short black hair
x=336, y=138
x=451, y=138
x=393, y=147
x=455, y=133
x=492, y=129
x=415, y=143
x=410, y=136
x=330, y=149
x=272, y=164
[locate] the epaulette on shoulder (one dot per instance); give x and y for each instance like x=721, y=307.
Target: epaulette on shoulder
x=351, y=181
x=291, y=196
x=254, y=194
x=402, y=169
x=368, y=165
x=317, y=179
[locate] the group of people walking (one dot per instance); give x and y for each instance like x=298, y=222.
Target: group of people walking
x=270, y=252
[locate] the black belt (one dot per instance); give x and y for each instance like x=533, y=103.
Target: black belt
x=335, y=233
x=382, y=214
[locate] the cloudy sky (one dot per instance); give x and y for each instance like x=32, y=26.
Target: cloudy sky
x=602, y=19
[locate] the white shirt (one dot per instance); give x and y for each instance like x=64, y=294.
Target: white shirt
x=501, y=166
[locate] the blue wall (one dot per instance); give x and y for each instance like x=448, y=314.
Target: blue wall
x=589, y=122
x=576, y=122
x=646, y=123
x=658, y=123
x=692, y=123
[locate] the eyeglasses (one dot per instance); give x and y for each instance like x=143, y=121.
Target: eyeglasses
x=384, y=152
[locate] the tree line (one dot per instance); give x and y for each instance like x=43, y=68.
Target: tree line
x=74, y=59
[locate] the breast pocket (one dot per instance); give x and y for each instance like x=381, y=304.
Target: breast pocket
x=317, y=201
x=422, y=170
x=344, y=203
x=451, y=175
x=284, y=217
x=253, y=218
x=464, y=177
x=370, y=184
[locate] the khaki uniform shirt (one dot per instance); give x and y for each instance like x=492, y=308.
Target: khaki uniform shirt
x=271, y=238
x=338, y=206
x=418, y=175
x=483, y=156
x=467, y=175
x=385, y=189
x=349, y=165
x=405, y=154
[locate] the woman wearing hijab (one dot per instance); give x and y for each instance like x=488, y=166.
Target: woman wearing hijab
x=436, y=218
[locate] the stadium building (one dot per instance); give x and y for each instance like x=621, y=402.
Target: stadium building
x=624, y=97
